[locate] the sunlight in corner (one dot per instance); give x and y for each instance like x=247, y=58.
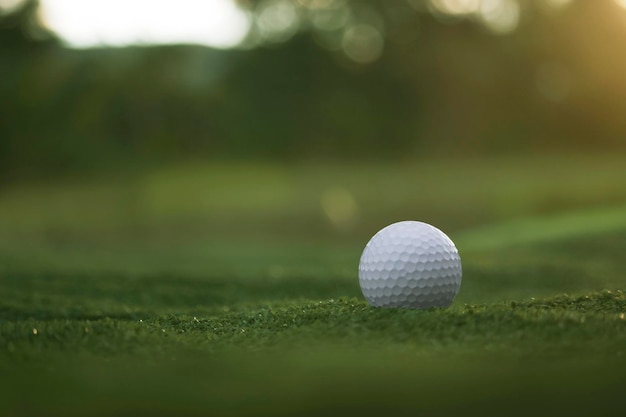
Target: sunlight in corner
x=8, y=6
x=84, y=24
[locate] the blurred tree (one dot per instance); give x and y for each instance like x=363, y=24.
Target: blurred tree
x=20, y=30
x=22, y=42
x=329, y=78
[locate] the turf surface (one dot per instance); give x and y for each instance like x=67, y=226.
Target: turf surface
x=171, y=293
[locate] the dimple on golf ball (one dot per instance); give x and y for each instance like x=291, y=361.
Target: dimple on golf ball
x=410, y=264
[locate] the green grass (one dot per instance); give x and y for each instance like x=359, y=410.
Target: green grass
x=232, y=290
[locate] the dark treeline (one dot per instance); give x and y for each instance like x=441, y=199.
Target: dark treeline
x=556, y=82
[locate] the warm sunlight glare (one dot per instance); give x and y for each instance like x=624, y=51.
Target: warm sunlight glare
x=456, y=7
x=83, y=24
x=7, y=6
x=500, y=16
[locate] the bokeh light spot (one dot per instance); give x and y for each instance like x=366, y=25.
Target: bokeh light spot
x=331, y=18
x=363, y=43
x=500, y=16
x=340, y=207
x=278, y=20
x=456, y=7
x=319, y=4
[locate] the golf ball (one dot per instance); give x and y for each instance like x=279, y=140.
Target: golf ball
x=410, y=264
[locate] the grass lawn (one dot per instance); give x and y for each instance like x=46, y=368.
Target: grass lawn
x=231, y=289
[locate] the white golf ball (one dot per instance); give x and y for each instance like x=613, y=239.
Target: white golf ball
x=410, y=264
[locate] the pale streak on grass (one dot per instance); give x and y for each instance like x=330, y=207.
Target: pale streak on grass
x=542, y=229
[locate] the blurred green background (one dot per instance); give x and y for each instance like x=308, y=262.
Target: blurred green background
x=325, y=121
x=319, y=79
x=328, y=117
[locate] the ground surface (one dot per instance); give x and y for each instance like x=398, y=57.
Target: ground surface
x=232, y=289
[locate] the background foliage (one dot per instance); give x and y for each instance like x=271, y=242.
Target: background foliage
x=432, y=83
